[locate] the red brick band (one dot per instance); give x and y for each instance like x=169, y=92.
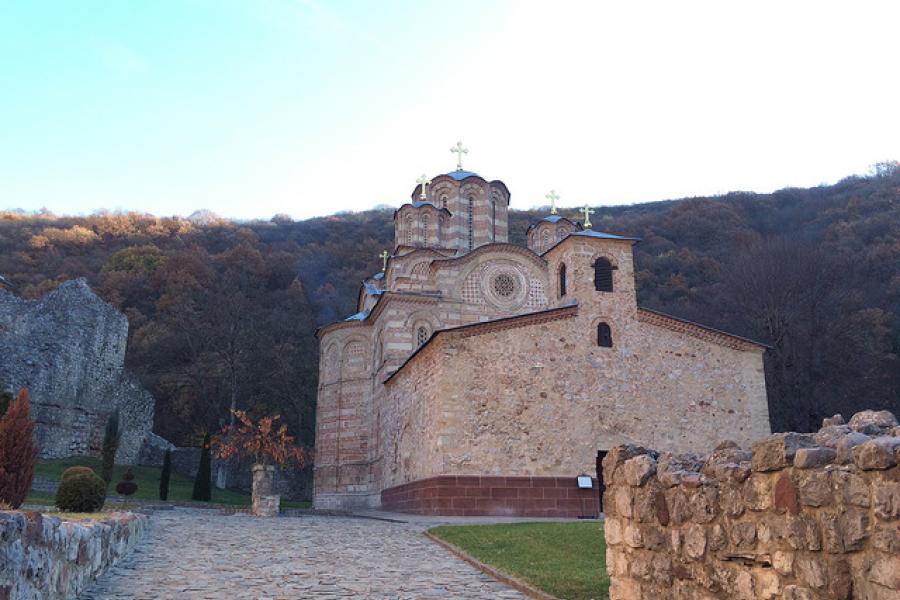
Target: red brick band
x=464, y=495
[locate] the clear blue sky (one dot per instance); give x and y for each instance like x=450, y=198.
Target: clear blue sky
x=253, y=108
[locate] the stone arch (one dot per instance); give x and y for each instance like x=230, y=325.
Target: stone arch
x=354, y=361
x=421, y=318
x=331, y=366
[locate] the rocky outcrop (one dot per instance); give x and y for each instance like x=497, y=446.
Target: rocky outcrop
x=68, y=349
x=800, y=517
x=45, y=557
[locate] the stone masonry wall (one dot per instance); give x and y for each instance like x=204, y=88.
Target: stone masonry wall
x=68, y=349
x=49, y=559
x=800, y=517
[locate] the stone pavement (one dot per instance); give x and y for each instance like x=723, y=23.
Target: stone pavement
x=202, y=554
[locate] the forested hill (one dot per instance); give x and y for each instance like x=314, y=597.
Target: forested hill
x=219, y=308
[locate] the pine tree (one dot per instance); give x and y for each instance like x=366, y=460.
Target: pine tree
x=165, y=475
x=18, y=451
x=203, y=484
x=111, y=438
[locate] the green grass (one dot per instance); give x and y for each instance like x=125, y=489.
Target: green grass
x=566, y=560
x=147, y=479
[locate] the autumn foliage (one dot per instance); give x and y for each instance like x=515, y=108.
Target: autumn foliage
x=18, y=451
x=264, y=442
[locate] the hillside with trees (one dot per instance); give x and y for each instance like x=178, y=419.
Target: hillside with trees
x=223, y=314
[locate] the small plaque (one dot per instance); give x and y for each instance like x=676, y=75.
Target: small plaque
x=584, y=482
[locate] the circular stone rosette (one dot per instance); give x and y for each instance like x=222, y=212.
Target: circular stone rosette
x=504, y=286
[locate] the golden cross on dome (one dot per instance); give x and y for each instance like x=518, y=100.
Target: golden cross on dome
x=424, y=182
x=552, y=197
x=384, y=256
x=588, y=211
x=458, y=148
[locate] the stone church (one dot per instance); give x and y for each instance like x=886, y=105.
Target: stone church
x=483, y=377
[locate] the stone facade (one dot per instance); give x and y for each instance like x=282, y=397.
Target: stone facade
x=798, y=517
x=45, y=558
x=68, y=349
x=501, y=361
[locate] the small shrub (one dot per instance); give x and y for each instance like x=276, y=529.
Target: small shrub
x=165, y=476
x=127, y=486
x=76, y=470
x=81, y=492
x=18, y=451
x=202, y=484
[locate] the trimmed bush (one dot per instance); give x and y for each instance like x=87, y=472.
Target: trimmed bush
x=81, y=492
x=127, y=486
x=202, y=484
x=18, y=451
x=165, y=476
x=76, y=470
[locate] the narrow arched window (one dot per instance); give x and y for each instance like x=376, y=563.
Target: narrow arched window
x=604, y=336
x=421, y=336
x=409, y=230
x=562, y=280
x=425, y=229
x=471, y=223
x=603, y=277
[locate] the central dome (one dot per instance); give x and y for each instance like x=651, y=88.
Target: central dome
x=460, y=175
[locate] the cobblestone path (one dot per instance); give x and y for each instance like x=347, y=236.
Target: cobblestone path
x=194, y=554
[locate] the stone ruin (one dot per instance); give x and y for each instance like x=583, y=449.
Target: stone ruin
x=68, y=349
x=798, y=517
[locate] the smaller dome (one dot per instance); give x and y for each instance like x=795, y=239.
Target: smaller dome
x=553, y=218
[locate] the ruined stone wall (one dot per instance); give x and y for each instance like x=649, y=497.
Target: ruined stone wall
x=800, y=517
x=68, y=349
x=45, y=557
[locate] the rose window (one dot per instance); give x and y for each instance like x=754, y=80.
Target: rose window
x=504, y=285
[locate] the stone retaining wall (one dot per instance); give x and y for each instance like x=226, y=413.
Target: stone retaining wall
x=800, y=517
x=47, y=558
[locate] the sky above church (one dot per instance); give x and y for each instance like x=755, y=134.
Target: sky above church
x=309, y=107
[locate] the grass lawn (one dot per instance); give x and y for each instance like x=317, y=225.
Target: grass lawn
x=147, y=479
x=566, y=560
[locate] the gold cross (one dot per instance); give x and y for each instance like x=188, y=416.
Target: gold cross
x=588, y=211
x=384, y=256
x=458, y=148
x=552, y=197
x=424, y=182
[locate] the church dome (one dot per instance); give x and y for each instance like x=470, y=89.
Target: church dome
x=460, y=175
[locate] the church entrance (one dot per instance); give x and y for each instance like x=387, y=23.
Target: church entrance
x=601, y=487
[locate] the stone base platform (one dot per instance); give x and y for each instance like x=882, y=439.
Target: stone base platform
x=465, y=496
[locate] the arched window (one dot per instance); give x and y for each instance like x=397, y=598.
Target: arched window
x=425, y=230
x=545, y=239
x=604, y=336
x=562, y=280
x=409, y=230
x=603, y=277
x=493, y=220
x=471, y=223
x=421, y=335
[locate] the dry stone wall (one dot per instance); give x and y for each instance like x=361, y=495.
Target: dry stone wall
x=49, y=559
x=68, y=349
x=798, y=517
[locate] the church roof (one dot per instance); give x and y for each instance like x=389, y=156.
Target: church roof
x=604, y=236
x=422, y=203
x=360, y=316
x=371, y=289
x=378, y=275
x=460, y=175
x=553, y=218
